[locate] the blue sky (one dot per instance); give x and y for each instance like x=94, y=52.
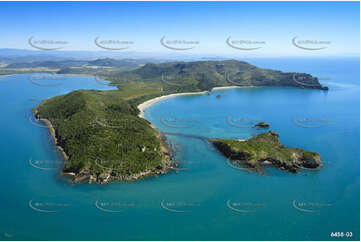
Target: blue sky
x=210, y=23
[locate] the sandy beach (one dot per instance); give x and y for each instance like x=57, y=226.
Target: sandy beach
x=143, y=106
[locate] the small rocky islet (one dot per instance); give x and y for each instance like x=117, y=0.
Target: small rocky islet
x=263, y=125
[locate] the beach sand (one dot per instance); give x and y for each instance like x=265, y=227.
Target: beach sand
x=143, y=106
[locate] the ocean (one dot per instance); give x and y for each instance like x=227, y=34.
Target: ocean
x=208, y=197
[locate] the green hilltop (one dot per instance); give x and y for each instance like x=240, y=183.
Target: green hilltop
x=204, y=75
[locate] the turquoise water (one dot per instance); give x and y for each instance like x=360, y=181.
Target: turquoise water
x=207, y=198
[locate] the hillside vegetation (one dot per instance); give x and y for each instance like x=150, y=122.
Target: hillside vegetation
x=103, y=136
x=265, y=148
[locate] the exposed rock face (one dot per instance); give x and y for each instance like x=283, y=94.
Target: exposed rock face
x=273, y=133
x=109, y=175
x=265, y=149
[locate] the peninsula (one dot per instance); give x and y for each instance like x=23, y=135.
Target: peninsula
x=104, y=137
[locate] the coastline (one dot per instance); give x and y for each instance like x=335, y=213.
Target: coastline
x=167, y=165
x=55, y=140
x=143, y=106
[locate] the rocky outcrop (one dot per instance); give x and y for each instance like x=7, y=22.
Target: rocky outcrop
x=263, y=125
x=265, y=149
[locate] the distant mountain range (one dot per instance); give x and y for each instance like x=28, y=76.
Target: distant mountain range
x=21, y=56
x=24, y=55
x=59, y=64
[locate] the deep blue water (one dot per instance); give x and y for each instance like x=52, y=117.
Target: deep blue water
x=206, y=187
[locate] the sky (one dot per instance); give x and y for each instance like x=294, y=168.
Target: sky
x=269, y=27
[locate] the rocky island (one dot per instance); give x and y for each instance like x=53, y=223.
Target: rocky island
x=265, y=148
x=103, y=138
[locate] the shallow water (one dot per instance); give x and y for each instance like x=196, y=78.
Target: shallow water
x=206, y=199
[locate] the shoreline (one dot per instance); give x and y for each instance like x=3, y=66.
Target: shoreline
x=55, y=140
x=143, y=106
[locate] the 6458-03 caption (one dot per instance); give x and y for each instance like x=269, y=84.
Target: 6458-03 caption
x=341, y=234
